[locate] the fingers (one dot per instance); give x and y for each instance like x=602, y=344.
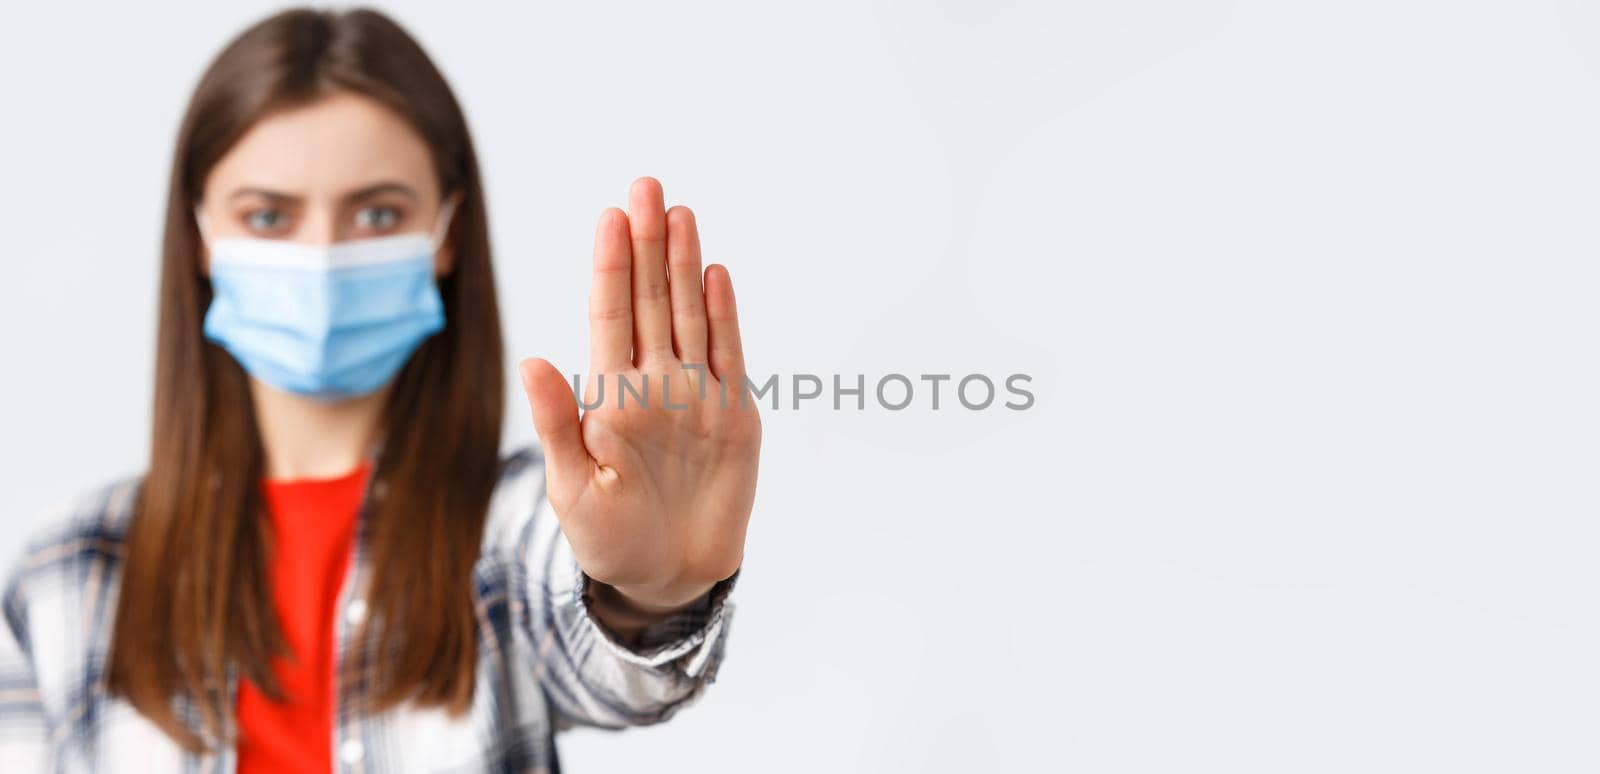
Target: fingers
x=555, y=417
x=688, y=298
x=727, y=351
x=652, y=314
x=611, y=295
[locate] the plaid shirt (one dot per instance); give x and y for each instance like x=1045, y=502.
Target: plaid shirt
x=544, y=663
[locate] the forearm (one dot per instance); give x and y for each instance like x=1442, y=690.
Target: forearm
x=600, y=677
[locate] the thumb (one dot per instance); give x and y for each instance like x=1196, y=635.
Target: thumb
x=555, y=417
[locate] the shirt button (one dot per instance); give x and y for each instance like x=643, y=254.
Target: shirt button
x=355, y=612
x=352, y=751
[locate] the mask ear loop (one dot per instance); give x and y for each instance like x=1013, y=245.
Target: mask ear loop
x=442, y=228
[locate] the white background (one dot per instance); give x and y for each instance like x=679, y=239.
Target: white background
x=1308, y=291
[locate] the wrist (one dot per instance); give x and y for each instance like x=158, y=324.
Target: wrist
x=625, y=616
x=633, y=607
x=656, y=602
x=628, y=612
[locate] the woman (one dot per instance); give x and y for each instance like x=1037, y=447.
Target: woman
x=328, y=563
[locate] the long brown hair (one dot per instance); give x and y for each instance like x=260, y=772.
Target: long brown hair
x=194, y=601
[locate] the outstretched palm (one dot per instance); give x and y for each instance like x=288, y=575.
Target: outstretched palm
x=653, y=486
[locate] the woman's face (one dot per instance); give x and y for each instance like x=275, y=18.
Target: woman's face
x=343, y=167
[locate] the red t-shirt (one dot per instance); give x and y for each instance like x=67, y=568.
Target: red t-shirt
x=313, y=524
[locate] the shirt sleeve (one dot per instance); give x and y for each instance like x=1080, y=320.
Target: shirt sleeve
x=24, y=731
x=595, y=679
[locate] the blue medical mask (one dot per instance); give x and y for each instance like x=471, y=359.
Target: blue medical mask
x=326, y=321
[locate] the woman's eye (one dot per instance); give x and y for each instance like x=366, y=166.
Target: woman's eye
x=266, y=219
x=377, y=218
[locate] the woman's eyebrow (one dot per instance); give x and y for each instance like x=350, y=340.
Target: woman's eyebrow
x=388, y=186
x=384, y=187
x=262, y=192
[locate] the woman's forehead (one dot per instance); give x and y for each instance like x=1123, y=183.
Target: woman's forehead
x=326, y=150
